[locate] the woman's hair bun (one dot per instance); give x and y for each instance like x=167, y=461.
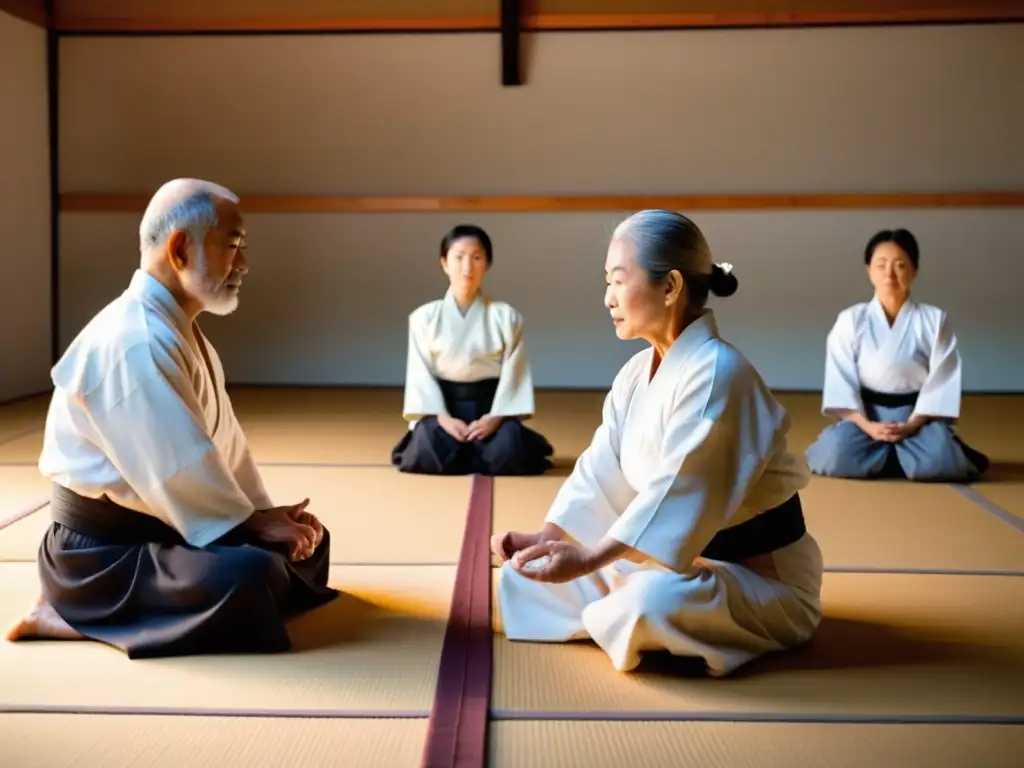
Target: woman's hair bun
x=722, y=283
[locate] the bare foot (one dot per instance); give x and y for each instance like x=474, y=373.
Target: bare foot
x=43, y=623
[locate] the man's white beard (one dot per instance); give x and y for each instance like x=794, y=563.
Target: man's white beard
x=215, y=296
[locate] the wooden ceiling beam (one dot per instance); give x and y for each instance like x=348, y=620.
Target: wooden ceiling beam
x=511, y=47
x=32, y=11
x=69, y=21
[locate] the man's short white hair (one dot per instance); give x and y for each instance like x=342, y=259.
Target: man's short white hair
x=182, y=205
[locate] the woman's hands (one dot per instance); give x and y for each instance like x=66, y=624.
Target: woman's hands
x=554, y=561
x=887, y=431
x=480, y=429
x=551, y=556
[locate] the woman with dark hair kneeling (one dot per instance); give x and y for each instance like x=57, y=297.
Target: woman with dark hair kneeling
x=468, y=384
x=680, y=528
x=892, y=379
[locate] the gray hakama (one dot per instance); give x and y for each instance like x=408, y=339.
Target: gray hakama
x=129, y=580
x=513, y=449
x=934, y=454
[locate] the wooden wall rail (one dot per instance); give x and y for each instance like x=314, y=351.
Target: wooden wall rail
x=136, y=203
x=538, y=22
x=563, y=21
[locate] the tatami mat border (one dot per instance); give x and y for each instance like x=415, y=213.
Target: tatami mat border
x=457, y=734
x=336, y=714
x=504, y=715
x=919, y=571
x=18, y=435
x=989, y=506
x=284, y=464
x=22, y=513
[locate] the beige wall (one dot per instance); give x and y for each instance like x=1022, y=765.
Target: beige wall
x=24, y=210
x=800, y=110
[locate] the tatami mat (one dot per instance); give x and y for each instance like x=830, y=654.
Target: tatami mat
x=375, y=515
x=806, y=419
x=99, y=741
x=992, y=424
x=22, y=447
x=335, y=426
x=19, y=542
x=317, y=403
x=357, y=425
x=568, y=421
x=890, y=645
x=747, y=745
x=22, y=413
x=20, y=488
x=362, y=426
x=1008, y=496
x=378, y=514
x=374, y=650
x=866, y=525
x=323, y=442
x=906, y=525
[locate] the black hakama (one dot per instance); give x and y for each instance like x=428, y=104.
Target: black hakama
x=129, y=580
x=513, y=449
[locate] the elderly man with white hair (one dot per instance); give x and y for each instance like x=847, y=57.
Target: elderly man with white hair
x=164, y=541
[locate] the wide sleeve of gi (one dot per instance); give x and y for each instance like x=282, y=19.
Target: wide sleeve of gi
x=245, y=471
x=596, y=492
x=151, y=428
x=514, y=395
x=940, y=395
x=841, y=391
x=423, y=395
x=707, y=468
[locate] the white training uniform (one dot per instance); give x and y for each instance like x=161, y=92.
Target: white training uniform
x=485, y=343
x=138, y=416
x=699, y=447
x=918, y=353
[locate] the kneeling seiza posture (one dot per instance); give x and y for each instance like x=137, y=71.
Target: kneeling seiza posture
x=164, y=541
x=468, y=384
x=892, y=381
x=680, y=528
